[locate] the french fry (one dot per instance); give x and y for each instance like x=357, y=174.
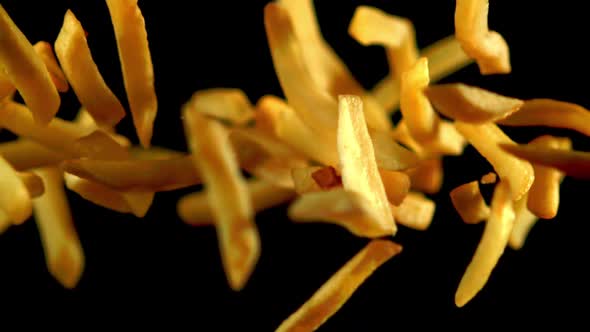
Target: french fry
x=25, y=154
x=33, y=183
x=416, y=211
x=228, y=105
x=471, y=104
x=76, y=59
x=523, y=223
x=485, y=139
x=469, y=203
x=195, y=209
x=389, y=154
x=303, y=179
x=15, y=199
x=340, y=287
x=45, y=51
x=491, y=246
x=397, y=185
x=488, y=48
x=136, y=64
x=489, y=178
x=227, y=193
x=96, y=193
x=63, y=251
x=359, y=170
x=427, y=176
x=26, y=71
x=551, y=113
x=5, y=222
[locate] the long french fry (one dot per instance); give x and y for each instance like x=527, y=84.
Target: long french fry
x=136, y=64
x=340, y=287
x=45, y=51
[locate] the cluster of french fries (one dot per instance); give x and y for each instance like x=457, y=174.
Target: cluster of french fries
x=328, y=148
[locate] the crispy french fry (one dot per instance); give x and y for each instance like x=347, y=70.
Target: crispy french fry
x=228, y=105
x=96, y=193
x=15, y=199
x=416, y=211
x=523, y=223
x=358, y=165
x=491, y=247
x=469, y=203
x=195, y=209
x=397, y=185
x=227, y=193
x=75, y=57
x=303, y=179
x=485, y=138
x=136, y=174
x=45, y=51
x=26, y=71
x=136, y=64
x=340, y=287
x=488, y=48
x=427, y=176
x=33, y=183
x=551, y=113
x=63, y=251
x=471, y=104
x=24, y=154
x=488, y=178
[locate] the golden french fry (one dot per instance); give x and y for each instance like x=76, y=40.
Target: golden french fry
x=136, y=64
x=195, y=209
x=551, y=113
x=154, y=153
x=359, y=170
x=24, y=154
x=491, y=247
x=85, y=120
x=136, y=174
x=7, y=90
x=488, y=48
x=303, y=179
x=96, y=193
x=523, y=223
x=99, y=145
x=227, y=193
x=15, y=199
x=139, y=201
x=340, y=287
x=63, y=251
x=416, y=211
x=26, y=71
x=543, y=198
x=228, y=105
x=485, y=139
x=389, y=154
x=397, y=185
x=33, y=183
x=469, y=203
x=427, y=176
x=75, y=57
x=471, y=104
x=45, y=51
x=5, y=222
x=488, y=178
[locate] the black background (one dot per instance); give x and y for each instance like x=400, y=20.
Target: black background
x=158, y=270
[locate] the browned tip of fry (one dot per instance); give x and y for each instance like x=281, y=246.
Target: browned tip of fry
x=33, y=183
x=469, y=203
x=340, y=287
x=326, y=177
x=67, y=266
x=489, y=178
x=573, y=163
x=470, y=104
x=45, y=51
x=523, y=223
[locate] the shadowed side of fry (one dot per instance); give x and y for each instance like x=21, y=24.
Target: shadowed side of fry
x=26, y=71
x=63, y=251
x=469, y=203
x=45, y=51
x=15, y=198
x=340, y=287
x=491, y=246
x=136, y=64
x=33, y=183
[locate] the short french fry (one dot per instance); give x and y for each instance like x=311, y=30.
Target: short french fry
x=469, y=203
x=416, y=211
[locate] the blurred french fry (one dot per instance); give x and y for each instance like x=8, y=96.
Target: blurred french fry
x=45, y=51
x=228, y=105
x=33, y=183
x=326, y=177
x=551, y=113
x=340, y=287
x=136, y=174
x=195, y=209
x=227, y=193
x=136, y=65
x=427, y=176
x=76, y=59
x=488, y=178
x=139, y=201
x=389, y=154
x=24, y=154
x=397, y=185
x=471, y=104
x=303, y=179
x=63, y=251
x=491, y=246
x=96, y=193
x=469, y=203
x=488, y=48
x=5, y=222
x=15, y=199
x=416, y=211
x=359, y=170
x=26, y=71
x=523, y=223
x=485, y=139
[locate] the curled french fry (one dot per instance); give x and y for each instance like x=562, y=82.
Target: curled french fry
x=488, y=178
x=340, y=287
x=63, y=251
x=33, y=183
x=485, y=139
x=229, y=105
x=471, y=104
x=26, y=71
x=136, y=64
x=15, y=198
x=491, y=246
x=416, y=211
x=195, y=209
x=488, y=48
x=523, y=223
x=45, y=51
x=78, y=65
x=551, y=113
x=469, y=203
